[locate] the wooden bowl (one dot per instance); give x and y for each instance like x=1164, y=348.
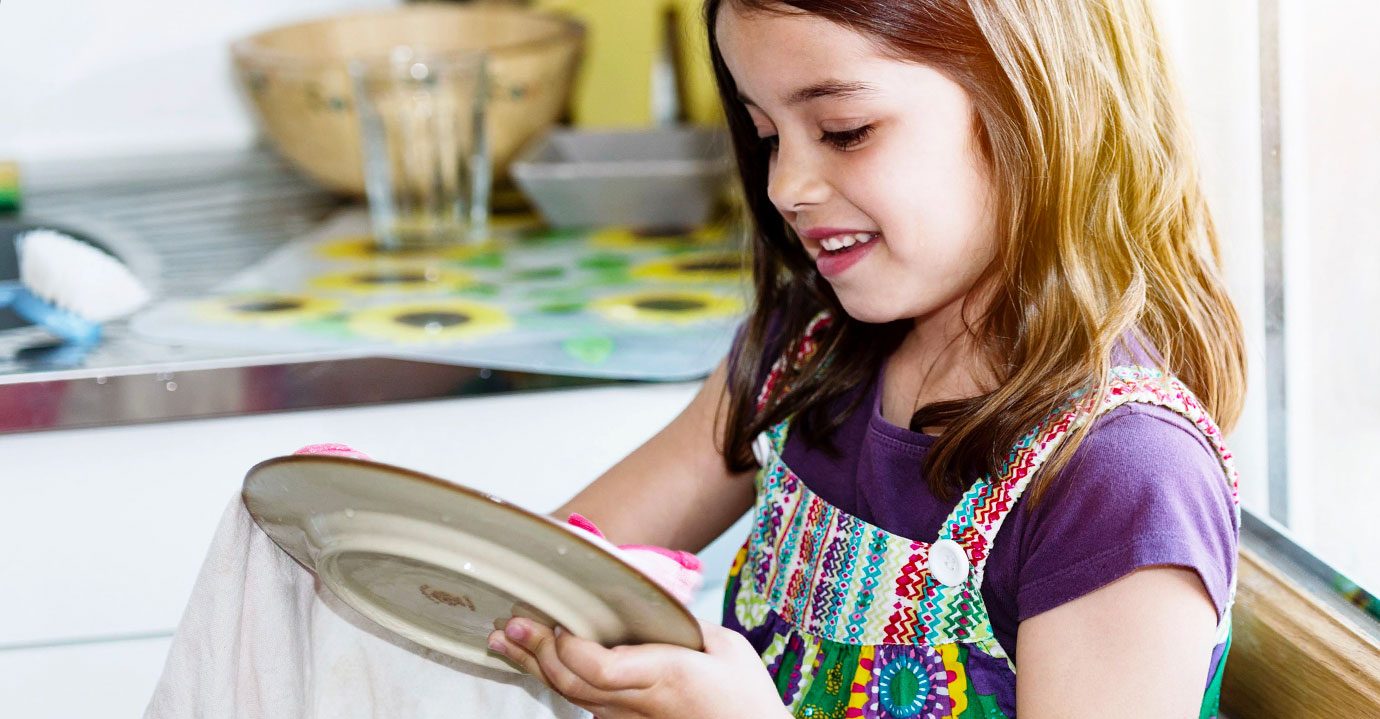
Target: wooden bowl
x=298, y=77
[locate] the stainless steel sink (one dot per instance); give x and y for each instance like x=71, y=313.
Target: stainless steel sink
x=183, y=224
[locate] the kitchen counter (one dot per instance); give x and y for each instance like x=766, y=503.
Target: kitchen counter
x=124, y=508
x=185, y=223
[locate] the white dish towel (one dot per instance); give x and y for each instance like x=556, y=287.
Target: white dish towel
x=260, y=638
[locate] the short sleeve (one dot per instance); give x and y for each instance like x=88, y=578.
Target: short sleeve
x=1144, y=488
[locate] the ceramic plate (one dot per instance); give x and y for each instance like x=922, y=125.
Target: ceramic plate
x=443, y=565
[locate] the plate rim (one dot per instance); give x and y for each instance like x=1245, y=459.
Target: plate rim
x=471, y=493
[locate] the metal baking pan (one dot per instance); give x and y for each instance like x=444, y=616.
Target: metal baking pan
x=659, y=178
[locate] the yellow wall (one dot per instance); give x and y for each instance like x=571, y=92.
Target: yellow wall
x=624, y=39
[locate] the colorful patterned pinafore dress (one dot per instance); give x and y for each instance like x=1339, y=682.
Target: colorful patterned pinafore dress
x=853, y=621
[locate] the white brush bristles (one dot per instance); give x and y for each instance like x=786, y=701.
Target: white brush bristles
x=77, y=277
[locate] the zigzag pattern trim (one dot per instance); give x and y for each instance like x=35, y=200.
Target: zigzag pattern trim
x=779, y=367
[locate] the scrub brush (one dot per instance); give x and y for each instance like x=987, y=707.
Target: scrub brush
x=69, y=287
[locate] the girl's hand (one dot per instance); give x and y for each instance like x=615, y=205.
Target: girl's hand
x=650, y=681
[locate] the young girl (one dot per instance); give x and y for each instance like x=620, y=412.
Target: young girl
x=986, y=380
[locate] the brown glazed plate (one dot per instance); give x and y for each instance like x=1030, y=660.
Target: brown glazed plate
x=443, y=565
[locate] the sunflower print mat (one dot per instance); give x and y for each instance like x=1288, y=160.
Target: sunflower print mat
x=612, y=302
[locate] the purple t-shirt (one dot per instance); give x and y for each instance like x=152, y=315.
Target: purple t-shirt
x=1144, y=488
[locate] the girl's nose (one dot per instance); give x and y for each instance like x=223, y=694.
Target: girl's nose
x=794, y=180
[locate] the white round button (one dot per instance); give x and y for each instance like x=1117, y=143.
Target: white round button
x=761, y=448
x=948, y=562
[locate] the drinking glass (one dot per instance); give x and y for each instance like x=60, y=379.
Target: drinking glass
x=427, y=167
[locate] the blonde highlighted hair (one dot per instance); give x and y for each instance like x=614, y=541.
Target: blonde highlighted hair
x=1104, y=231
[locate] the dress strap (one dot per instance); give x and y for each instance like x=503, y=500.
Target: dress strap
x=974, y=523
x=774, y=438
x=806, y=347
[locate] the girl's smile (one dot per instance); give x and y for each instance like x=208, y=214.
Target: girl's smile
x=840, y=252
x=835, y=249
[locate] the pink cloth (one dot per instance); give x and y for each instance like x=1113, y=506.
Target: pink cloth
x=676, y=571
x=334, y=448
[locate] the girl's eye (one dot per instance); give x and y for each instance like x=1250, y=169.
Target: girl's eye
x=842, y=140
x=847, y=139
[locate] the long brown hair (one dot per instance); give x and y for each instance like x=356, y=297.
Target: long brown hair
x=1104, y=231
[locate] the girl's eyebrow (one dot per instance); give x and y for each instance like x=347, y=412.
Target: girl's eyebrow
x=828, y=88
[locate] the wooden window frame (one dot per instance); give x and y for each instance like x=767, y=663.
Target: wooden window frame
x=1299, y=648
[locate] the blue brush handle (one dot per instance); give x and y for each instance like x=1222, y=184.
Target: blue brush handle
x=8, y=291
x=65, y=325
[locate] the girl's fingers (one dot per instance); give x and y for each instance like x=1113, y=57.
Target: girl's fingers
x=609, y=670
x=499, y=642
x=536, y=652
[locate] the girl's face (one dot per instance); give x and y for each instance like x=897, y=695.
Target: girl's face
x=866, y=147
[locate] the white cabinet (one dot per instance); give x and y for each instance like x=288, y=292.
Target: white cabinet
x=92, y=681
x=104, y=529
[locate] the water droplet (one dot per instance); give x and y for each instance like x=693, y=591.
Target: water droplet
x=172, y=386
x=561, y=551
x=468, y=566
x=101, y=380
x=349, y=514
x=485, y=373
